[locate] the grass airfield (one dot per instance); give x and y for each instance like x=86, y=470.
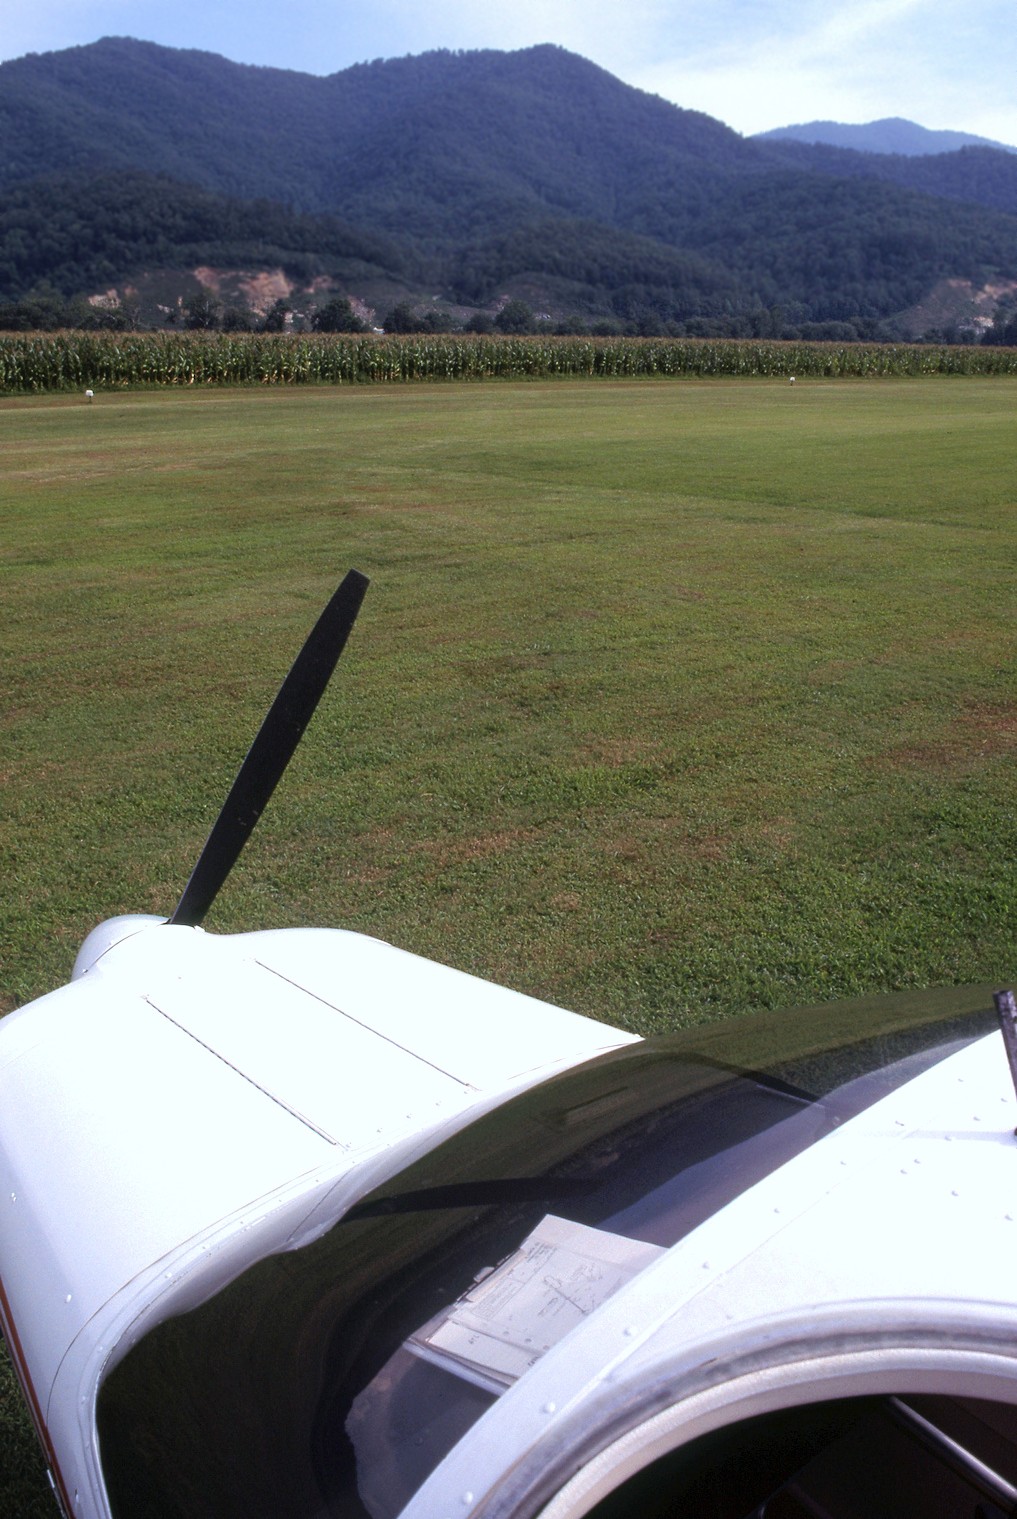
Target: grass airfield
x=669, y=700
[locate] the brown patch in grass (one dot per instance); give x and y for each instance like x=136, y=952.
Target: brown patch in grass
x=918, y=757
x=451, y=852
x=993, y=728
x=386, y=504
x=706, y=846
x=687, y=593
x=779, y=832
x=567, y=901
x=615, y=752
x=368, y=875
x=628, y=849
x=711, y=847
x=979, y=732
x=830, y=671
x=378, y=846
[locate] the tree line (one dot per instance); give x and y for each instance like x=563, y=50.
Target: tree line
x=534, y=175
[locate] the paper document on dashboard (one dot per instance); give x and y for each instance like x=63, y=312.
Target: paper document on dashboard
x=560, y=1273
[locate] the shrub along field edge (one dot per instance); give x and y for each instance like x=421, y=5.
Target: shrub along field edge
x=72, y=361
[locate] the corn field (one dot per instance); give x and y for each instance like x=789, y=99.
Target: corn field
x=73, y=361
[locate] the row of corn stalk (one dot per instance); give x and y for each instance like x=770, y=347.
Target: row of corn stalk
x=37, y=362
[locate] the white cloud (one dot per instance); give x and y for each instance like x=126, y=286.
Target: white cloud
x=935, y=61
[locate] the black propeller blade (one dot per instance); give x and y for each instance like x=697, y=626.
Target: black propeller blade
x=272, y=750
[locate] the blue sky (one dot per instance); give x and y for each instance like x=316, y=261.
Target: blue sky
x=751, y=63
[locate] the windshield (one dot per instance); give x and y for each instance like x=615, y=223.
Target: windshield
x=332, y=1379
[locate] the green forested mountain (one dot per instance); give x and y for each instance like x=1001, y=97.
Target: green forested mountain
x=977, y=176
x=473, y=176
x=501, y=130
x=81, y=233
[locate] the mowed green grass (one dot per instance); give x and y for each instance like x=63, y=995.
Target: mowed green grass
x=668, y=700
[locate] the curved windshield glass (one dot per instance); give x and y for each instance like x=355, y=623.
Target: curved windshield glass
x=331, y=1380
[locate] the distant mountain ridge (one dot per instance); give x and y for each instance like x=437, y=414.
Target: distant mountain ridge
x=891, y=134
x=468, y=178
x=541, y=121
